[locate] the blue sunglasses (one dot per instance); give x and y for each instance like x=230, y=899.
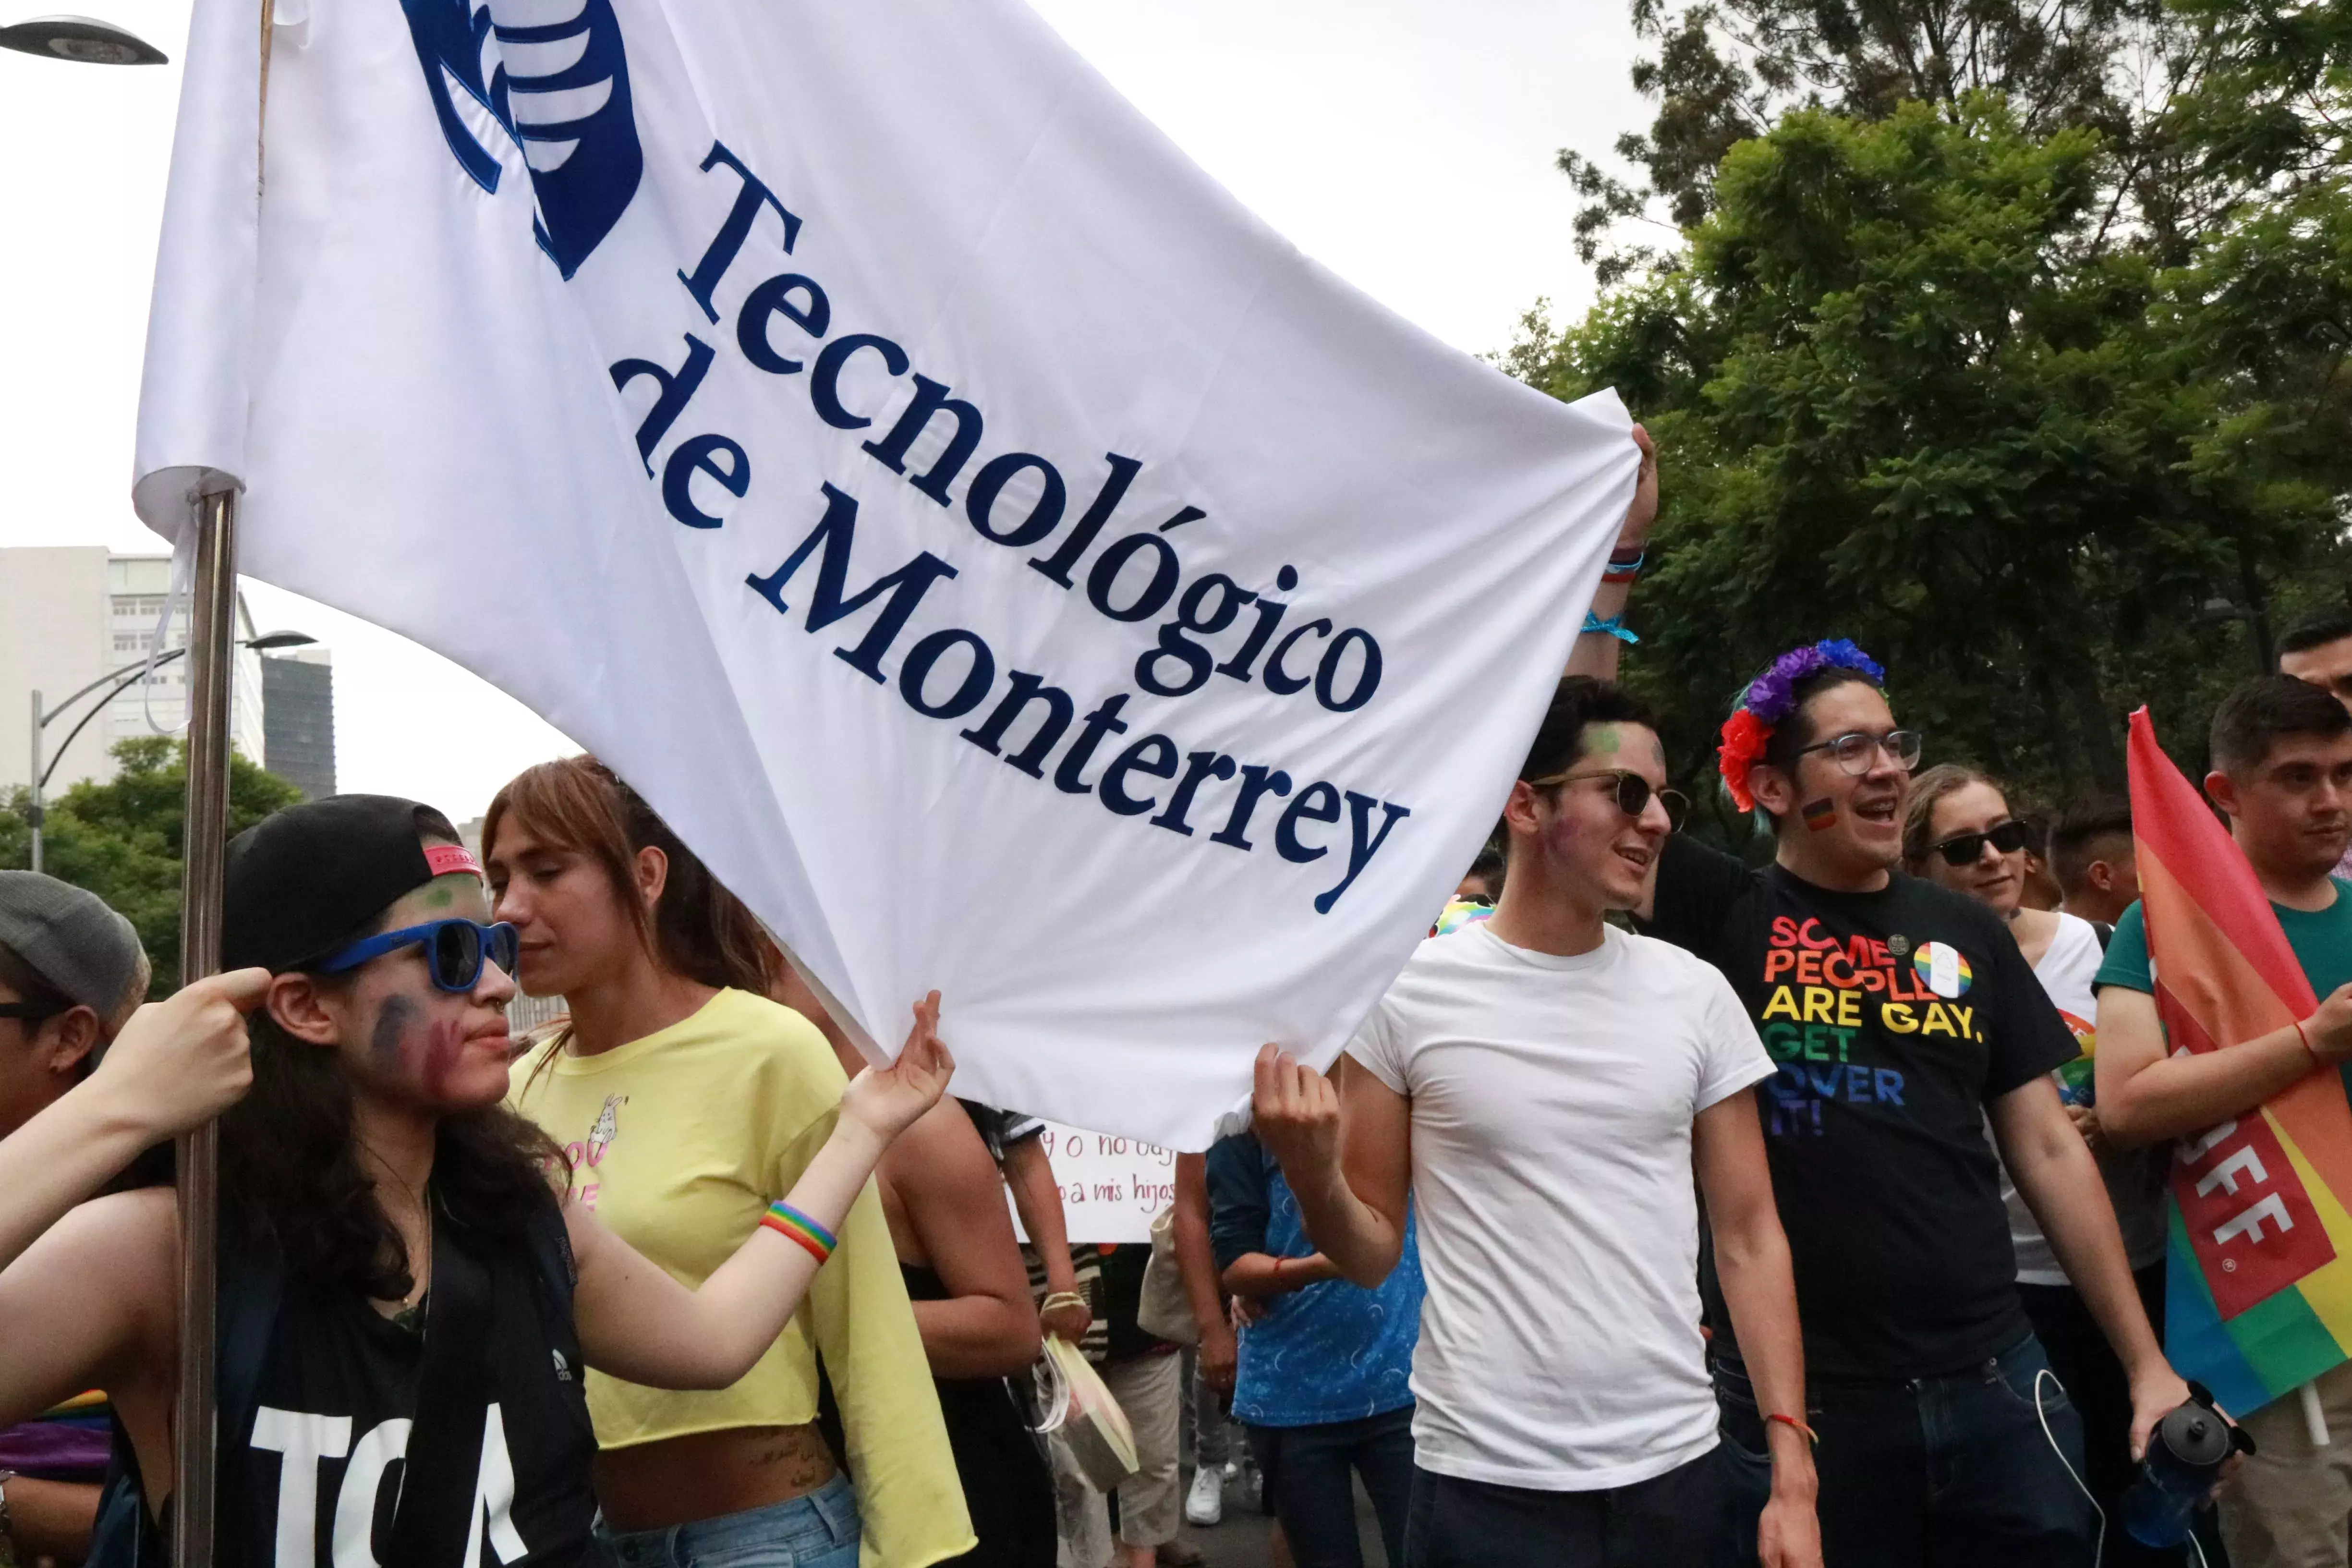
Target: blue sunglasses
x=455, y=950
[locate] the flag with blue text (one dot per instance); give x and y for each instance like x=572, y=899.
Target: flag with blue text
x=1012, y=566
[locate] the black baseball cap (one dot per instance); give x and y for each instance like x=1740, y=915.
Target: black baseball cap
x=312, y=877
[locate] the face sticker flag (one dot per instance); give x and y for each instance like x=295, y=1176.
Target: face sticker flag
x=2258, y=1295
x=1821, y=815
x=1011, y=565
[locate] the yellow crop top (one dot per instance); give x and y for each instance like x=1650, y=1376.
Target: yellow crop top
x=678, y=1142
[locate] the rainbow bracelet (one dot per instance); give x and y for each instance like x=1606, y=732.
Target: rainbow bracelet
x=786, y=1220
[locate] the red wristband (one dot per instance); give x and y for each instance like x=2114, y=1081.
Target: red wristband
x=1811, y=1436
x=2307, y=1045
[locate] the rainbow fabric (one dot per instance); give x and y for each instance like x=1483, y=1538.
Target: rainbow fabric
x=788, y=1221
x=2259, y=1278
x=1458, y=913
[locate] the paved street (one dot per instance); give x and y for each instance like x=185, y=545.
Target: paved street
x=1242, y=1541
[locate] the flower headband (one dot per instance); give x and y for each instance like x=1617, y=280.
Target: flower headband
x=1771, y=697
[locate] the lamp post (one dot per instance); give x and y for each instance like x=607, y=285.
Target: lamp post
x=82, y=38
x=121, y=679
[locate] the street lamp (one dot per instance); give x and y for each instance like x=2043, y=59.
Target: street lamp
x=41, y=720
x=82, y=38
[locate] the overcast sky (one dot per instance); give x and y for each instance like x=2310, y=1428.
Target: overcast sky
x=1407, y=144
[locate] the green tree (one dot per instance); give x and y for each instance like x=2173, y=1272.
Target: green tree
x=1906, y=396
x=1723, y=71
x=122, y=840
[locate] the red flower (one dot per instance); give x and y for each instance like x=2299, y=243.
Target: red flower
x=1743, y=742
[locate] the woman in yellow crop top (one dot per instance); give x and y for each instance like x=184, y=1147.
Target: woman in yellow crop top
x=683, y=1094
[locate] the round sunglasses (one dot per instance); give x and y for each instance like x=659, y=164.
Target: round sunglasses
x=1634, y=794
x=455, y=950
x=1964, y=847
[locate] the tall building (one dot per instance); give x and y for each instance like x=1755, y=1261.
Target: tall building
x=297, y=719
x=72, y=616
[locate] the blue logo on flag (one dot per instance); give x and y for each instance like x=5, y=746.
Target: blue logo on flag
x=550, y=76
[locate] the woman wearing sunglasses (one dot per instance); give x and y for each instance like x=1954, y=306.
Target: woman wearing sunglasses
x=684, y=1093
x=1958, y=831
x=406, y=1311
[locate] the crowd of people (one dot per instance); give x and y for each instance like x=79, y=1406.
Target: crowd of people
x=1665, y=1210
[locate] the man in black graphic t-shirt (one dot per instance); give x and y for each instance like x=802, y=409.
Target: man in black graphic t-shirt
x=1902, y=1019
x=1896, y=1018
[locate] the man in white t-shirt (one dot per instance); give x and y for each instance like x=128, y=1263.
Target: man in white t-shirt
x=1544, y=1087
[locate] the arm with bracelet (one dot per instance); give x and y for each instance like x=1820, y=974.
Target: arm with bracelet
x=638, y=1323
x=1037, y=1198
x=1604, y=635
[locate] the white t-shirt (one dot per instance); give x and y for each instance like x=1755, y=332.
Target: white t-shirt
x=1552, y=1101
x=2134, y=1177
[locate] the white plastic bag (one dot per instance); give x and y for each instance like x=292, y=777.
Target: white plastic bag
x=1078, y=1405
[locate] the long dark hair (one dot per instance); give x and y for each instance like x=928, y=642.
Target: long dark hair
x=697, y=928
x=293, y=1187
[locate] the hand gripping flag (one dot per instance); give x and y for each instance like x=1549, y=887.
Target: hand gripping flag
x=2259, y=1279
x=1010, y=565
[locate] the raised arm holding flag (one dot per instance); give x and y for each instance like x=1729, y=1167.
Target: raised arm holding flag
x=2213, y=1032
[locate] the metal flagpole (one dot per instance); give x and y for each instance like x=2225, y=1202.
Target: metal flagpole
x=203, y=838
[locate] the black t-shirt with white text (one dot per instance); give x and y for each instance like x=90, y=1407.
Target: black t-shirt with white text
x=1894, y=1017
x=312, y=1482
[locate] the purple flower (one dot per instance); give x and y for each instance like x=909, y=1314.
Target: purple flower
x=1771, y=696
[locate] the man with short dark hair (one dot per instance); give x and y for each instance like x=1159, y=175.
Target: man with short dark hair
x=2091, y=851
x=1905, y=1020
x=2282, y=775
x=1548, y=1091
x=2317, y=650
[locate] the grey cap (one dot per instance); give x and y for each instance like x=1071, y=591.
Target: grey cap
x=70, y=938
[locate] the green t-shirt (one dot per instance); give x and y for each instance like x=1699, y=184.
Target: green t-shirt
x=2322, y=940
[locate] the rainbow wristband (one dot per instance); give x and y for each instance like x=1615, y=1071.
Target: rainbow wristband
x=788, y=1221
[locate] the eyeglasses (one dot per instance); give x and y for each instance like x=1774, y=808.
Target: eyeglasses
x=1633, y=792
x=1856, y=749
x=1963, y=848
x=455, y=950
x=34, y=1012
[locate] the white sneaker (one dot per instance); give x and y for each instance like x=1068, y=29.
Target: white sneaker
x=1205, y=1503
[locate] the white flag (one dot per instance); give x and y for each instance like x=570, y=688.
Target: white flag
x=1011, y=566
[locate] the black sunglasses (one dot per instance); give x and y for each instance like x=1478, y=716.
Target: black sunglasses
x=2008, y=839
x=34, y=1012
x=1633, y=792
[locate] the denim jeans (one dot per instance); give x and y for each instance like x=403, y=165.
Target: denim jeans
x=1212, y=1444
x=1940, y=1472
x=818, y=1529
x=1307, y=1471
x=1688, y=1517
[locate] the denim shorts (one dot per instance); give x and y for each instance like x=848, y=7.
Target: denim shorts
x=818, y=1529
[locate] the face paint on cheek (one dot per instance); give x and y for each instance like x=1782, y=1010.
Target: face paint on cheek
x=445, y=1043
x=1819, y=814
x=390, y=1028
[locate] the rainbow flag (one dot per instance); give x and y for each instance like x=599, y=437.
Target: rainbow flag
x=2259, y=1279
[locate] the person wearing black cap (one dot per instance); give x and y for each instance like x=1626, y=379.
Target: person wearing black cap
x=398, y=1282
x=72, y=974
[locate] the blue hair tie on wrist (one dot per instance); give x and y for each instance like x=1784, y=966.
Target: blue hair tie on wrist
x=1613, y=627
